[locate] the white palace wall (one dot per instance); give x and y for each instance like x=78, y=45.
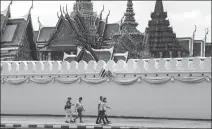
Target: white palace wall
x=169, y=88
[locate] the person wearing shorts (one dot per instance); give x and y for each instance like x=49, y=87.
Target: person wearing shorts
x=105, y=106
x=98, y=120
x=79, y=109
x=68, y=111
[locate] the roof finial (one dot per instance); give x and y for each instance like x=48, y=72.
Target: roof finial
x=66, y=8
x=102, y=12
x=9, y=8
x=77, y=8
x=11, y=2
x=61, y=10
x=58, y=15
x=39, y=20
x=31, y=7
x=107, y=17
x=195, y=29
x=206, y=33
x=122, y=19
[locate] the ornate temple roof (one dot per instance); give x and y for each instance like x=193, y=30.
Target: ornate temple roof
x=43, y=35
x=73, y=23
x=98, y=38
x=17, y=34
x=15, y=27
x=102, y=54
x=59, y=37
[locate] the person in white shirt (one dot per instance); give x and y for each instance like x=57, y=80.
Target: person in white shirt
x=105, y=107
x=79, y=109
x=98, y=120
x=68, y=110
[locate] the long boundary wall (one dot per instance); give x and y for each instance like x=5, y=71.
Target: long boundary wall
x=169, y=88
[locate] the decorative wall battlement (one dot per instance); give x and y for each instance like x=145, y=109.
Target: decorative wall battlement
x=141, y=66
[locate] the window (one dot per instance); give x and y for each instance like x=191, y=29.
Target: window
x=9, y=33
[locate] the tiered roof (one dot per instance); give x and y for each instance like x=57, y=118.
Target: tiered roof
x=161, y=36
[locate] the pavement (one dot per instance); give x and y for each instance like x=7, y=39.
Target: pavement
x=117, y=123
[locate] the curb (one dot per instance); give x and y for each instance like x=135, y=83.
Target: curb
x=118, y=117
x=52, y=126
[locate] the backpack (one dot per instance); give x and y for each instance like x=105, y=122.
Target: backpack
x=67, y=105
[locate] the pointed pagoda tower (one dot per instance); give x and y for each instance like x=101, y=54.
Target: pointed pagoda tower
x=129, y=38
x=129, y=23
x=162, y=41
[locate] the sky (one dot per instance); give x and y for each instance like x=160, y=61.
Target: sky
x=183, y=15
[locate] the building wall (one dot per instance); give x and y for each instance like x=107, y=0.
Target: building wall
x=130, y=93
x=172, y=100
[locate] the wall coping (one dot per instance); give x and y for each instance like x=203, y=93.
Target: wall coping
x=156, y=71
x=141, y=66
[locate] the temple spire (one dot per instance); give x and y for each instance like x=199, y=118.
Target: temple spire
x=129, y=15
x=129, y=22
x=163, y=42
x=129, y=38
x=159, y=6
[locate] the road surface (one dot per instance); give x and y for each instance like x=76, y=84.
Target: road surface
x=58, y=122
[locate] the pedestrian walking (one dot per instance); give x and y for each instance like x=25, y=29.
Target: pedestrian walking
x=105, y=107
x=68, y=111
x=79, y=109
x=100, y=104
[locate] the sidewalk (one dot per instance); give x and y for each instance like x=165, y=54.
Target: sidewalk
x=58, y=122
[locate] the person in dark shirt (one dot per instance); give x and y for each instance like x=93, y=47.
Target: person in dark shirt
x=98, y=120
x=67, y=108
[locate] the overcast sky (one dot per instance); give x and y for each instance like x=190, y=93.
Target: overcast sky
x=183, y=15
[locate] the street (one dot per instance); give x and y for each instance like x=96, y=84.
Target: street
x=58, y=122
